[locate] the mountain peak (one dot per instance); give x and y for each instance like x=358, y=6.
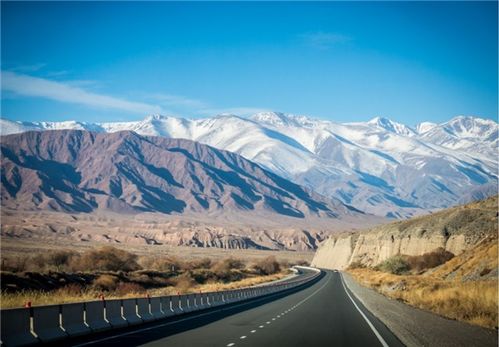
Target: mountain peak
x=424, y=127
x=471, y=120
x=391, y=126
x=283, y=119
x=273, y=118
x=469, y=126
x=155, y=117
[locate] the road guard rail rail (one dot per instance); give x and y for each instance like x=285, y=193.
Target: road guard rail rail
x=51, y=323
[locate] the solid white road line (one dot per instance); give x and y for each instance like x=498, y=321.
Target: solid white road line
x=378, y=335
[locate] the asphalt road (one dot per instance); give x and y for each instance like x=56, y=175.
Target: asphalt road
x=323, y=314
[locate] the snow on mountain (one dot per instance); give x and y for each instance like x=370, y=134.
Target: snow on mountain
x=467, y=134
x=424, y=127
x=380, y=166
x=391, y=126
x=9, y=127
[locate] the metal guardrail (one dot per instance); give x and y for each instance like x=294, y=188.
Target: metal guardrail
x=44, y=324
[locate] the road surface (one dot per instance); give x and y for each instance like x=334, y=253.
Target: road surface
x=324, y=314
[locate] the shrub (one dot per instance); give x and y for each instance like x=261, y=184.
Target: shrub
x=127, y=288
x=107, y=259
x=202, y=276
x=60, y=259
x=429, y=260
x=396, y=265
x=167, y=264
x=226, y=265
x=72, y=289
x=267, y=266
x=15, y=264
x=106, y=282
x=300, y=263
x=356, y=265
x=204, y=263
x=184, y=283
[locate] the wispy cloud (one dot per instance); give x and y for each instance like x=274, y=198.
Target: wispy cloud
x=324, y=40
x=196, y=107
x=238, y=111
x=177, y=101
x=28, y=68
x=66, y=92
x=77, y=92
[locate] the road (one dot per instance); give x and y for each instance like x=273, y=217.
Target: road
x=324, y=314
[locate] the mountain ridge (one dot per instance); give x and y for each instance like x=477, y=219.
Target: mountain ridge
x=380, y=166
x=86, y=165
x=124, y=187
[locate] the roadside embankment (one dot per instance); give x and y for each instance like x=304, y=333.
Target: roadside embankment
x=455, y=230
x=415, y=327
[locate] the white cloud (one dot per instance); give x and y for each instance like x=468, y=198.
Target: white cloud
x=29, y=68
x=177, y=100
x=238, y=111
x=324, y=40
x=197, y=107
x=65, y=92
x=77, y=92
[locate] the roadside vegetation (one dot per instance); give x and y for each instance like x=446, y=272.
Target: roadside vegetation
x=69, y=276
x=462, y=287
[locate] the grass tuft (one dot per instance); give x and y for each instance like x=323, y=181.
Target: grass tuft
x=462, y=288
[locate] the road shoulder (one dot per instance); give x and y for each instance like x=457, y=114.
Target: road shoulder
x=416, y=327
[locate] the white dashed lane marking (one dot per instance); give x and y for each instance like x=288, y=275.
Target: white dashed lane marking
x=278, y=316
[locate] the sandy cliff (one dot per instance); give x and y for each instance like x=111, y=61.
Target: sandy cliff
x=456, y=230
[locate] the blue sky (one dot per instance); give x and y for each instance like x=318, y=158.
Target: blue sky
x=342, y=61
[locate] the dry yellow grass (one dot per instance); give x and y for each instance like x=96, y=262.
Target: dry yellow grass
x=217, y=286
x=444, y=290
x=62, y=296
x=485, y=255
x=38, y=298
x=14, y=247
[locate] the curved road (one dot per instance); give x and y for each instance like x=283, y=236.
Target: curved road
x=323, y=314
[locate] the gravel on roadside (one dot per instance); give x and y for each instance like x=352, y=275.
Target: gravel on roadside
x=415, y=327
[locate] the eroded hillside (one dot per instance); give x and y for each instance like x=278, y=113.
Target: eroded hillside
x=455, y=230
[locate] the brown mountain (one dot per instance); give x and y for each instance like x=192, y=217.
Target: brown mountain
x=83, y=172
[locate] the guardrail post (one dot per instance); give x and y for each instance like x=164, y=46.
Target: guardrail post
x=177, y=304
x=114, y=314
x=73, y=319
x=157, y=308
x=144, y=310
x=94, y=316
x=16, y=327
x=130, y=311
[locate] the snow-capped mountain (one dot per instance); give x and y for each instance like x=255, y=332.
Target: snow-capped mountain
x=391, y=126
x=424, y=127
x=468, y=134
x=379, y=166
